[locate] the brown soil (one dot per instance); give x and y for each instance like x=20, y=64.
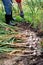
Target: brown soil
x=28, y=51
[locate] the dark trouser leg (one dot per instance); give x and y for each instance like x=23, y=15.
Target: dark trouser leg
x=8, y=10
x=8, y=6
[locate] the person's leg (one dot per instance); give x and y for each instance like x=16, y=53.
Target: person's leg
x=8, y=10
x=7, y=5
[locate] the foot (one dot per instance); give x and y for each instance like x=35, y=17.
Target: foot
x=11, y=23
